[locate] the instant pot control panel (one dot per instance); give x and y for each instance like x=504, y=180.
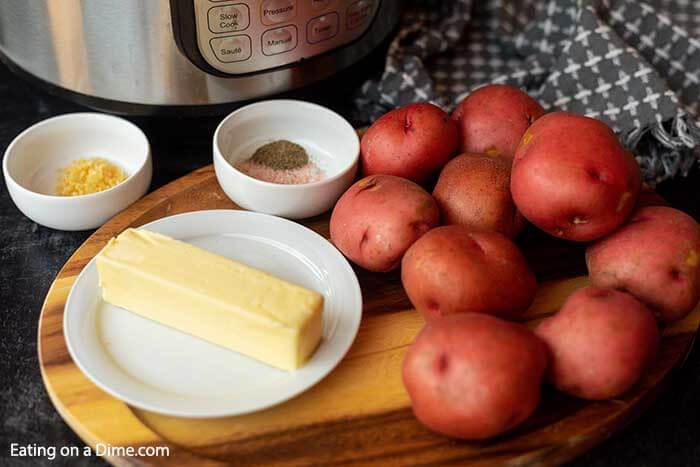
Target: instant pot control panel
x=236, y=37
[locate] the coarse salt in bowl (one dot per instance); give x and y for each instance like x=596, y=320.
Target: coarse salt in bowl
x=307, y=173
x=330, y=141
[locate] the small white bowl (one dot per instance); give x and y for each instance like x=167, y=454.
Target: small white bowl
x=33, y=161
x=328, y=138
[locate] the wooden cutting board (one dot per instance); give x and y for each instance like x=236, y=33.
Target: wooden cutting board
x=360, y=413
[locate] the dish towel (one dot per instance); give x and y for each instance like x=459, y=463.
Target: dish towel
x=634, y=64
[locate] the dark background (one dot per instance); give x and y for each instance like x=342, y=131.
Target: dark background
x=667, y=434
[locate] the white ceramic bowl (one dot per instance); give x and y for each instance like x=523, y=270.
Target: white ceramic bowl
x=33, y=160
x=330, y=140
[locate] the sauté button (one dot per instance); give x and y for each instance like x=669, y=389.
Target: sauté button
x=322, y=28
x=279, y=40
x=277, y=11
x=229, y=18
x=232, y=48
x=358, y=13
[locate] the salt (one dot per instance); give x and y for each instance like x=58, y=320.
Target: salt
x=307, y=173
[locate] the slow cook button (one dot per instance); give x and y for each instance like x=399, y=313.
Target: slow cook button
x=279, y=40
x=322, y=28
x=232, y=48
x=358, y=13
x=277, y=11
x=229, y=18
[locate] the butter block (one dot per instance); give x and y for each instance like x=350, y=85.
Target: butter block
x=211, y=297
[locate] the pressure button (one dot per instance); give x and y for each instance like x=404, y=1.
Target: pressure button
x=277, y=11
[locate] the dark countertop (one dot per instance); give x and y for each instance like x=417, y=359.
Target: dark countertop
x=30, y=256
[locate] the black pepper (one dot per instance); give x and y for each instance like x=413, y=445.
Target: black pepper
x=281, y=155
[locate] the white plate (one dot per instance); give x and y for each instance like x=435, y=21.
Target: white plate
x=159, y=369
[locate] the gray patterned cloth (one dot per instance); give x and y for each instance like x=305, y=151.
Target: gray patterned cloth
x=633, y=64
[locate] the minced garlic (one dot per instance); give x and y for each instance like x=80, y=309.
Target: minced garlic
x=85, y=176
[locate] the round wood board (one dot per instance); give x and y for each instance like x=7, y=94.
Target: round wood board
x=360, y=413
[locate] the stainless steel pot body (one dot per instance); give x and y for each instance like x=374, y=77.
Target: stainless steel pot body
x=189, y=52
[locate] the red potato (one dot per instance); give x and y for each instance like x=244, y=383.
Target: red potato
x=378, y=218
x=413, y=142
x=600, y=342
x=474, y=376
x=572, y=178
x=474, y=191
x=655, y=257
x=492, y=119
x=453, y=269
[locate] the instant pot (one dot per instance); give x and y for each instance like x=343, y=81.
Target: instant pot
x=136, y=56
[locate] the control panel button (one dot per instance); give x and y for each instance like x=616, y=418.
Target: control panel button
x=319, y=5
x=322, y=28
x=277, y=11
x=358, y=14
x=279, y=40
x=232, y=48
x=229, y=18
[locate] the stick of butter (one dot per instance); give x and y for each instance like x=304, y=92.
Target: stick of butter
x=211, y=297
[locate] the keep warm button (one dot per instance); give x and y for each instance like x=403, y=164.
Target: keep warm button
x=231, y=49
x=279, y=40
x=358, y=13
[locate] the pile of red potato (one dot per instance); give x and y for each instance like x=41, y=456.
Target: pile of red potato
x=470, y=373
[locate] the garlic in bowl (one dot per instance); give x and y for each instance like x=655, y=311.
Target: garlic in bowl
x=299, y=188
x=95, y=152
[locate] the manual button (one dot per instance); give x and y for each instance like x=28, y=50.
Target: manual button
x=322, y=28
x=358, y=13
x=277, y=11
x=229, y=18
x=279, y=40
x=232, y=48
